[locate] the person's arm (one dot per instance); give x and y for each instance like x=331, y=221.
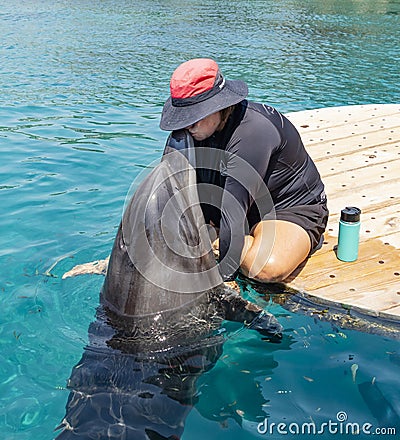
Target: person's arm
x=249, y=155
x=236, y=308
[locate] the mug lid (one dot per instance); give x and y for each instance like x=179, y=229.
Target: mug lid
x=350, y=214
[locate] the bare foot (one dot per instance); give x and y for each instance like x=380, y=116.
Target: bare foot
x=98, y=267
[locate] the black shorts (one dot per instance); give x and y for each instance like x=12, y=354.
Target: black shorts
x=312, y=218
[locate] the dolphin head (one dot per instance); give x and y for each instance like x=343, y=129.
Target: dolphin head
x=162, y=271
x=162, y=257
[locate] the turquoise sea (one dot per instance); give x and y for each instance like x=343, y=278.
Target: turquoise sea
x=82, y=84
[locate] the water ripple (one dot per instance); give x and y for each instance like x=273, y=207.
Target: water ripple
x=82, y=88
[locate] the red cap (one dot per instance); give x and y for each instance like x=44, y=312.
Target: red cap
x=193, y=78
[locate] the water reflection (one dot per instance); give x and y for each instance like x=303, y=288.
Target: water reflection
x=104, y=66
x=132, y=384
x=118, y=392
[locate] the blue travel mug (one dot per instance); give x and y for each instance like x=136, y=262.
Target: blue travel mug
x=349, y=234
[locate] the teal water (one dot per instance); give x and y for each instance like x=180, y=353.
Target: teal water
x=82, y=86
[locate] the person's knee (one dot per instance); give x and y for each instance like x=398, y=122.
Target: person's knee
x=270, y=272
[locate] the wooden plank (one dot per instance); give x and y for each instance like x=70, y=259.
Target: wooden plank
x=370, y=176
x=342, y=146
x=371, y=283
x=357, y=159
x=378, y=223
x=357, y=151
x=338, y=131
x=393, y=239
x=394, y=311
x=322, y=118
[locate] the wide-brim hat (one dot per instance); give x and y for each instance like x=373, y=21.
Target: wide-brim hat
x=198, y=89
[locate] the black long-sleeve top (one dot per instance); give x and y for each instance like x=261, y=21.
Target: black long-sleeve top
x=256, y=164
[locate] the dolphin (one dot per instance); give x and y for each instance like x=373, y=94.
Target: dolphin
x=158, y=324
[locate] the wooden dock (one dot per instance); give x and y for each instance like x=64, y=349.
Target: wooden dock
x=357, y=151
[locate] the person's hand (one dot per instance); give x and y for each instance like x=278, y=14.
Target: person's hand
x=215, y=247
x=233, y=285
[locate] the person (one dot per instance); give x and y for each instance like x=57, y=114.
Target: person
x=267, y=200
x=244, y=149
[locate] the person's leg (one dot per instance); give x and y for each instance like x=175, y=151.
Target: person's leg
x=274, y=250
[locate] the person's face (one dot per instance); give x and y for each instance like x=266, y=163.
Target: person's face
x=205, y=127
